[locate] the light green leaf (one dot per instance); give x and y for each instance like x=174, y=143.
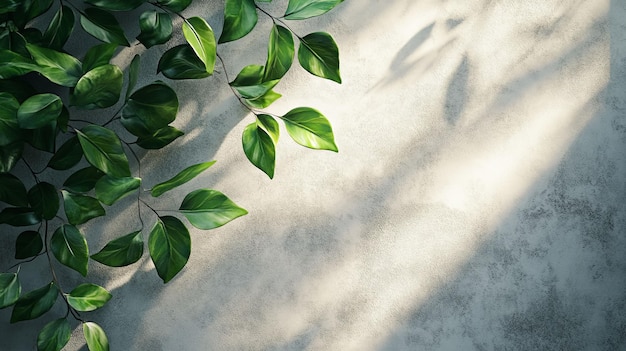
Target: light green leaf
x=270, y=125
x=70, y=248
x=109, y=190
x=249, y=82
x=170, y=247
x=303, y=9
x=58, y=67
x=67, y=156
x=44, y=200
x=160, y=138
x=104, y=26
x=319, y=55
x=181, y=62
x=240, y=17
x=103, y=149
x=9, y=155
x=133, y=75
x=149, y=109
x=34, y=303
x=308, y=127
x=95, y=337
x=10, y=289
x=12, y=190
x=280, y=53
x=81, y=208
x=83, y=180
x=208, y=209
x=122, y=251
x=9, y=129
x=175, y=5
x=98, y=55
x=259, y=148
x=116, y=5
x=181, y=178
x=54, y=335
x=39, y=110
x=28, y=244
x=201, y=38
x=265, y=100
x=88, y=297
x=98, y=88
x=59, y=29
x=156, y=28
x=19, y=216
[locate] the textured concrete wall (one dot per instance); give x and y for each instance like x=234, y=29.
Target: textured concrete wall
x=477, y=202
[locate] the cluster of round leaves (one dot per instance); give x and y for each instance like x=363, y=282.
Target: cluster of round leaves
x=94, y=157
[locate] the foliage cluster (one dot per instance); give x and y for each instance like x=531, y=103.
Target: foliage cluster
x=53, y=121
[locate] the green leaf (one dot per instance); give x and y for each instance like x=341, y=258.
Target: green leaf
x=9, y=129
x=98, y=88
x=44, y=200
x=43, y=138
x=58, y=67
x=116, y=5
x=34, y=303
x=103, y=149
x=170, y=247
x=14, y=65
x=133, y=75
x=303, y=9
x=81, y=208
x=104, y=26
x=109, y=190
x=59, y=29
x=83, y=180
x=19, y=216
x=280, y=53
x=308, y=127
x=208, y=209
x=19, y=89
x=67, y=156
x=8, y=6
x=175, y=5
x=156, y=28
x=39, y=110
x=28, y=244
x=9, y=155
x=88, y=297
x=181, y=62
x=12, y=190
x=54, y=335
x=201, y=38
x=70, y=248
x=319, y=55
x=259, y=148
x=181, y=178
x=95, y=337
x=122, y=251
x=160, y=138
x=98, y=55
x=240, y=17
x=249, y=82
x=269, y=124
x=10, y=289
x=29, y=10
x=264, y=100
x=149, y=109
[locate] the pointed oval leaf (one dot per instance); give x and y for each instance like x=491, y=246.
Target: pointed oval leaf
x=95, y=337
x=264, y=100
x=70, y=248
x=116, y=5
x=201, y=38
x=98, y=55
x=319, y=55
x=269, y=124
x=44, y=200
x=175, y=5
x=249, y=82
x=122, y=251
x=149, y=109
x=14, y=65
x=303, y=9
x=160, y=138
x=34, y=303
x=9, y=155
x=59, y=29
x=28, y=244
x=109, y=190
x=240, y=17
x=88, y=297
x=103, y=150
x=259, y=148
x=98, y=88
x=19, y=216
x=280, y=53
x=133, y=75
x=181, y=62
x=43, y=138
x=81, y=208
x=308, y=127
x=156, y=28
x=54, y=335
x=68, y=155
x=181, y=178
x=104, y=26
x=39, y=110
x=12, y=190
x=170, y=247
x=208, y=209
x=83, y=180
x=9, y=128
x=10, y=289
x=58, y=67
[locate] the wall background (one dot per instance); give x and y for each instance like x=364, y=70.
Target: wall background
x=476, y=203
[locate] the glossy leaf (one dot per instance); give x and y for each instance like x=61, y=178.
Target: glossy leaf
x=303, y=9
x=88, y=297
x=95, y=337
x=9, y=155
x=181, y=178
x=181, y=62
x=170, y=247
x=122, y=251
x=28, y=244
x=83, y=180
x=44, y=200
x=149, y=109
x=259, y=148
x=81, y=208
x=103, y=150
x=98, y=55
x=156, y=28
x=208, y=209
x=280, y=53
x=54, y=335
x=67, y=156
x=240, y=17
x=34, y=303
x=30, y=9
x=133, y=75
x=104, y=26
x=160, y=138
x=19, y=216
x=200, y=37
x=264, y=100
x=39, y=110
x=14, y=65
x=175, y=5
x=59, y=29
x=308, y=127
x=10, y=289
x=269, y=124
x=43, y=138
x=109, y=190
x=99, y=88
x=9, y=129
x=58, y=67
x=116, y=5
x=249, y=82
x=12, y=190
x=319, y=55
x=70, y=248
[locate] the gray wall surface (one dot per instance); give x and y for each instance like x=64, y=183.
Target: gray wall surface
x=476, y=202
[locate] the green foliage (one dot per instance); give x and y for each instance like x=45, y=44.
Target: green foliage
x=68, y=143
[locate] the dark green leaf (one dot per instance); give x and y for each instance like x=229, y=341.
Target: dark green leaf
x=280, y=53
x=95, y=337
x=39, y=110
x=83, y=180
x=88, y=297
x=308, y=127
x=59, y=29
x=208, y=209
x=70, y=247
x=156, y=28
x=98, y=88
x=44, y=200
x=116, y=5
x=63, y=120
x=201, y=38
x=8, y=6
x=18, y=44
x=98, y=55
x=81, y=208
x=14, y=65
x=9, y=155
x=264, y=100
x=249, y=82
x=319, y=55
x=175, y=5
x=122, y=251
x=104, y=26
x=240, y=17
x=12, y=190
x=181, y=62
x=43, y=138
x=259, y=148
x=58, y=67
x=34, y=303
x=181, y=178
x=269, y=124
x=170, y=246
x=160, y=138
x=10, y=289
x=103, y=149
x=68, y=155
x=133, y=75
x=54, y=335
x=9, y=129
x=19, y=216
x=29, y=10
x=303, y=9
x=109, y=190
x=20, y=89
x=149, y=109
x=28, y=244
